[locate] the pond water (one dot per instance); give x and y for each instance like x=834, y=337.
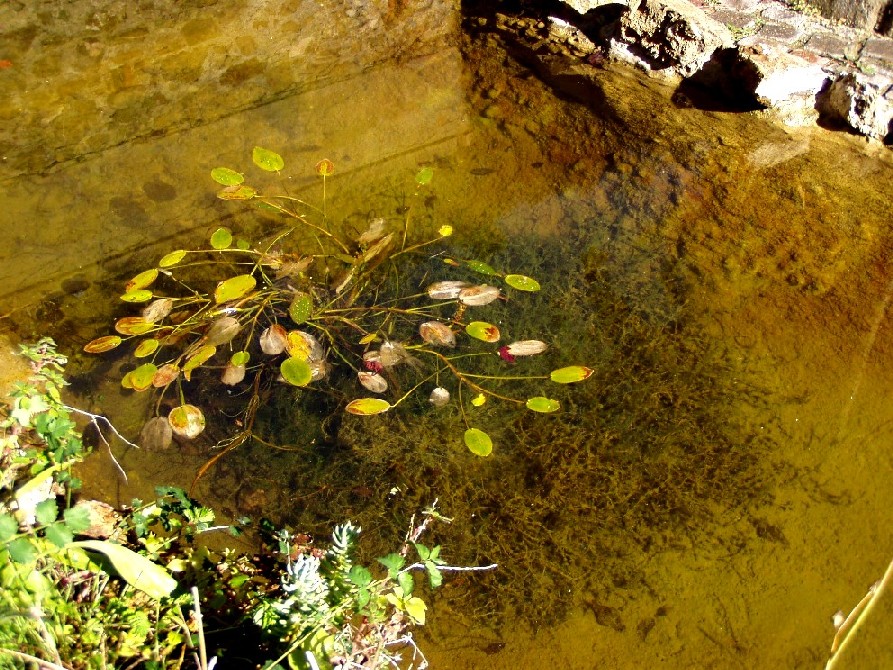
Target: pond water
x=709, y=498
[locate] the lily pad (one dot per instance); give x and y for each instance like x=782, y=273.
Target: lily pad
x=146, y=348
x=237, y=192
x=222, y=238
x=570, y=374
x=240, y=358
x=200, y=356
x=481, y=330
x=133, y=325
x=424, y=176
x=137, y=295
x=102, y=344
x=141, y=378
x=482, y=268
x=522, y=282
x=296, y=371
x=544, y=405
x=301, y=307
x=368, y=406
x=234, y=288
x=172, y=258
x=478, y=442
x=187, y=421
x=142, y=280
x=267, y=160
x=226, y=177
x=325, y=168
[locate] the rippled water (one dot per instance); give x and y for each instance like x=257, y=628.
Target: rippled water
x=709, y=498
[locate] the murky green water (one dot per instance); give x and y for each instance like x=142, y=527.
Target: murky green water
x=708, y=499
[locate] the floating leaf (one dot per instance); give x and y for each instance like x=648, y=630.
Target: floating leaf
x=274, y=340
x=570, y=374
x=446, y=290
x=142, y=280
x=135, y=569
x=172, y=258
x=200, y=356
x=368, y=406
x=439, y=397
x=296, y=371
x=137, y=295
x=481, y=330
x=526, y=348
x=187, y=421
x=325, y=168
x=226, y=177
x=232, y=374
x=541, y=404
x=301, y=307
x=234, y=288
x=146, y=348
x=125, y=382
x=522, y=283
x=424, y=176
x=445, y=231
x=478, y=442
x=244, y=245
x=133, y=325
x=102, y=344
x=165, y=375
x=298, y=346
x=141, y=378
x=221, y=238
x=482, y=268
x=240, y=358
x=479, y=400
x=438, y=334
x=223, y=330
x=158, y=309
x=372, y=381
x=366, y=339
x=267, y=160
x=156, y=434
x=475, y=296
x=237, y=192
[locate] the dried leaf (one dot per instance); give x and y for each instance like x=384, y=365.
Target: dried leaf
x=437, y=334
x=475, y=296
x=372, y=381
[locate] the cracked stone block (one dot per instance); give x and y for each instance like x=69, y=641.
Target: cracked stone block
x=859, y=103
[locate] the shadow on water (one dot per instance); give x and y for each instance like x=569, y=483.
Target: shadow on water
x=685, y=506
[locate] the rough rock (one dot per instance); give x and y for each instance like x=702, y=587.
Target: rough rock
x=859, y=103
x=865, y=14
x=671, y=37
x=780, y=81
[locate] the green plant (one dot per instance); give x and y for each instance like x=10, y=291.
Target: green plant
x=69, y=598
x=310, y=298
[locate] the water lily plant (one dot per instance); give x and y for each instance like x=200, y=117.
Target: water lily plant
x=309, y=299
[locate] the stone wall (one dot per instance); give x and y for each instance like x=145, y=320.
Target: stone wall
x=874, y=15
x=85, y=75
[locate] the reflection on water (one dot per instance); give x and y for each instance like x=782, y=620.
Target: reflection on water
x=702, y=500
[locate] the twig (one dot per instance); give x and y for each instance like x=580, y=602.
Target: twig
x=855, y=618
x=94, y=420
x=452, y=568
x=197, y=613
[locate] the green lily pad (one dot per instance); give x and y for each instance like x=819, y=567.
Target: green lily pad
x=482, y=268
x=544, y=405
x=226, y=177
x=424, y=176
x=522, y=282
x=146, y=348
x=301, y=307
x=368, y=406
x=141, y=378
x=240, y=358
x=172, y=258
x=570, y=374
x=199, y=357
x=234, y=288
x=221, y=238
x=142, y=280
x=478, y=442
x=481, y=330
x=267, y=160
x=138, y=295
x=296, y=371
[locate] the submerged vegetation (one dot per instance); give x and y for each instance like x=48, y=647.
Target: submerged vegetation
x=83, y=586
x=309, y=298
